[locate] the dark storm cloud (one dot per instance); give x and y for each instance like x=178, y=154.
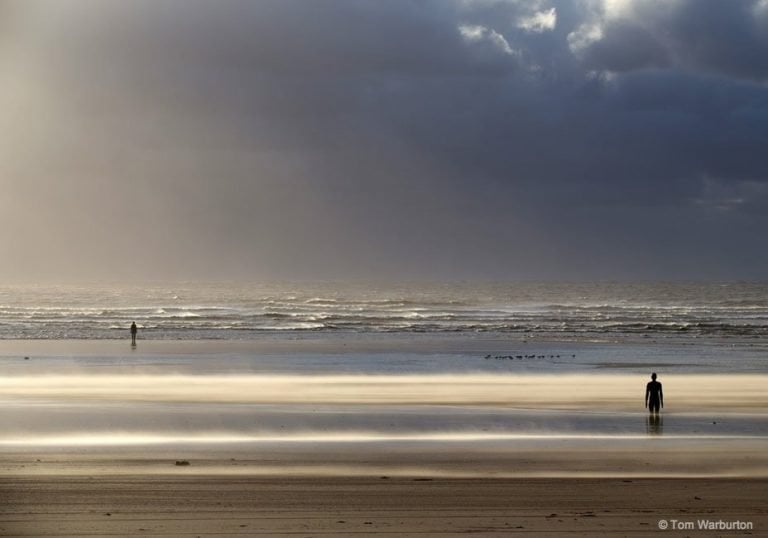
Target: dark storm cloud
x=332, y=138
x=715, y=36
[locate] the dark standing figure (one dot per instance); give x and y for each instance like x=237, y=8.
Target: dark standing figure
x=654, y=398
x=134, y=330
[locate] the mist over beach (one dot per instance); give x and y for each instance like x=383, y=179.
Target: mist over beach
x=350, y=267
x=335, y=385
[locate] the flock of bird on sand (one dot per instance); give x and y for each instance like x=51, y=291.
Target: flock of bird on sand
x=534, y=356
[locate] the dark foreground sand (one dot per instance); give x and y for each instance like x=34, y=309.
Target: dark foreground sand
x=145, y=505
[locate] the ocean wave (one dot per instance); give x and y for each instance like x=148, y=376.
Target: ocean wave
x=236, y=311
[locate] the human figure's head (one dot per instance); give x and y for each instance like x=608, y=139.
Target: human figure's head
x=653, y=376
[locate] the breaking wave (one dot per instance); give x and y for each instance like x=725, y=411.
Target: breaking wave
x=235, y=311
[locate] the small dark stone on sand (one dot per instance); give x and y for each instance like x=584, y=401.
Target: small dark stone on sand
x=26, y=358
x=182, y=462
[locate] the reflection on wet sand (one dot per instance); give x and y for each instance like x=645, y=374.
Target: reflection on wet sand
x=457, y=424
x=654, y=424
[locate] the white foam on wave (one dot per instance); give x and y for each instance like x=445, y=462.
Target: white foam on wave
x=683, y=311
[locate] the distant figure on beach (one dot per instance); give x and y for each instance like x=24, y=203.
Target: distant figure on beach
x=654, y=397
x=134, y=330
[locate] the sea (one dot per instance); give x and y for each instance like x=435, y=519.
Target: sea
x=315, y=369
x=230, y=311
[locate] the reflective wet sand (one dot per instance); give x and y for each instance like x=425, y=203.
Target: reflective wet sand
x=183, y=443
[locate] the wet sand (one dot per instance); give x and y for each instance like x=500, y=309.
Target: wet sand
x=393, y=490
x=555, y=457
x=145, y=505
x=89, y=446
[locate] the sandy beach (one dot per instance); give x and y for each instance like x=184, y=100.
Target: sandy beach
x=143, y=505
x=426, y=439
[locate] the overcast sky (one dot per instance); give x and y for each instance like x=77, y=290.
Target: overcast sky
x=582, y=139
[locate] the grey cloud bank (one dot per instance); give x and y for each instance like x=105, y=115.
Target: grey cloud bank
x=357, y=139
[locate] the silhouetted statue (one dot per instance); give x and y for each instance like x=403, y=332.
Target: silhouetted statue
x=134, y=330
x=654, y=397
